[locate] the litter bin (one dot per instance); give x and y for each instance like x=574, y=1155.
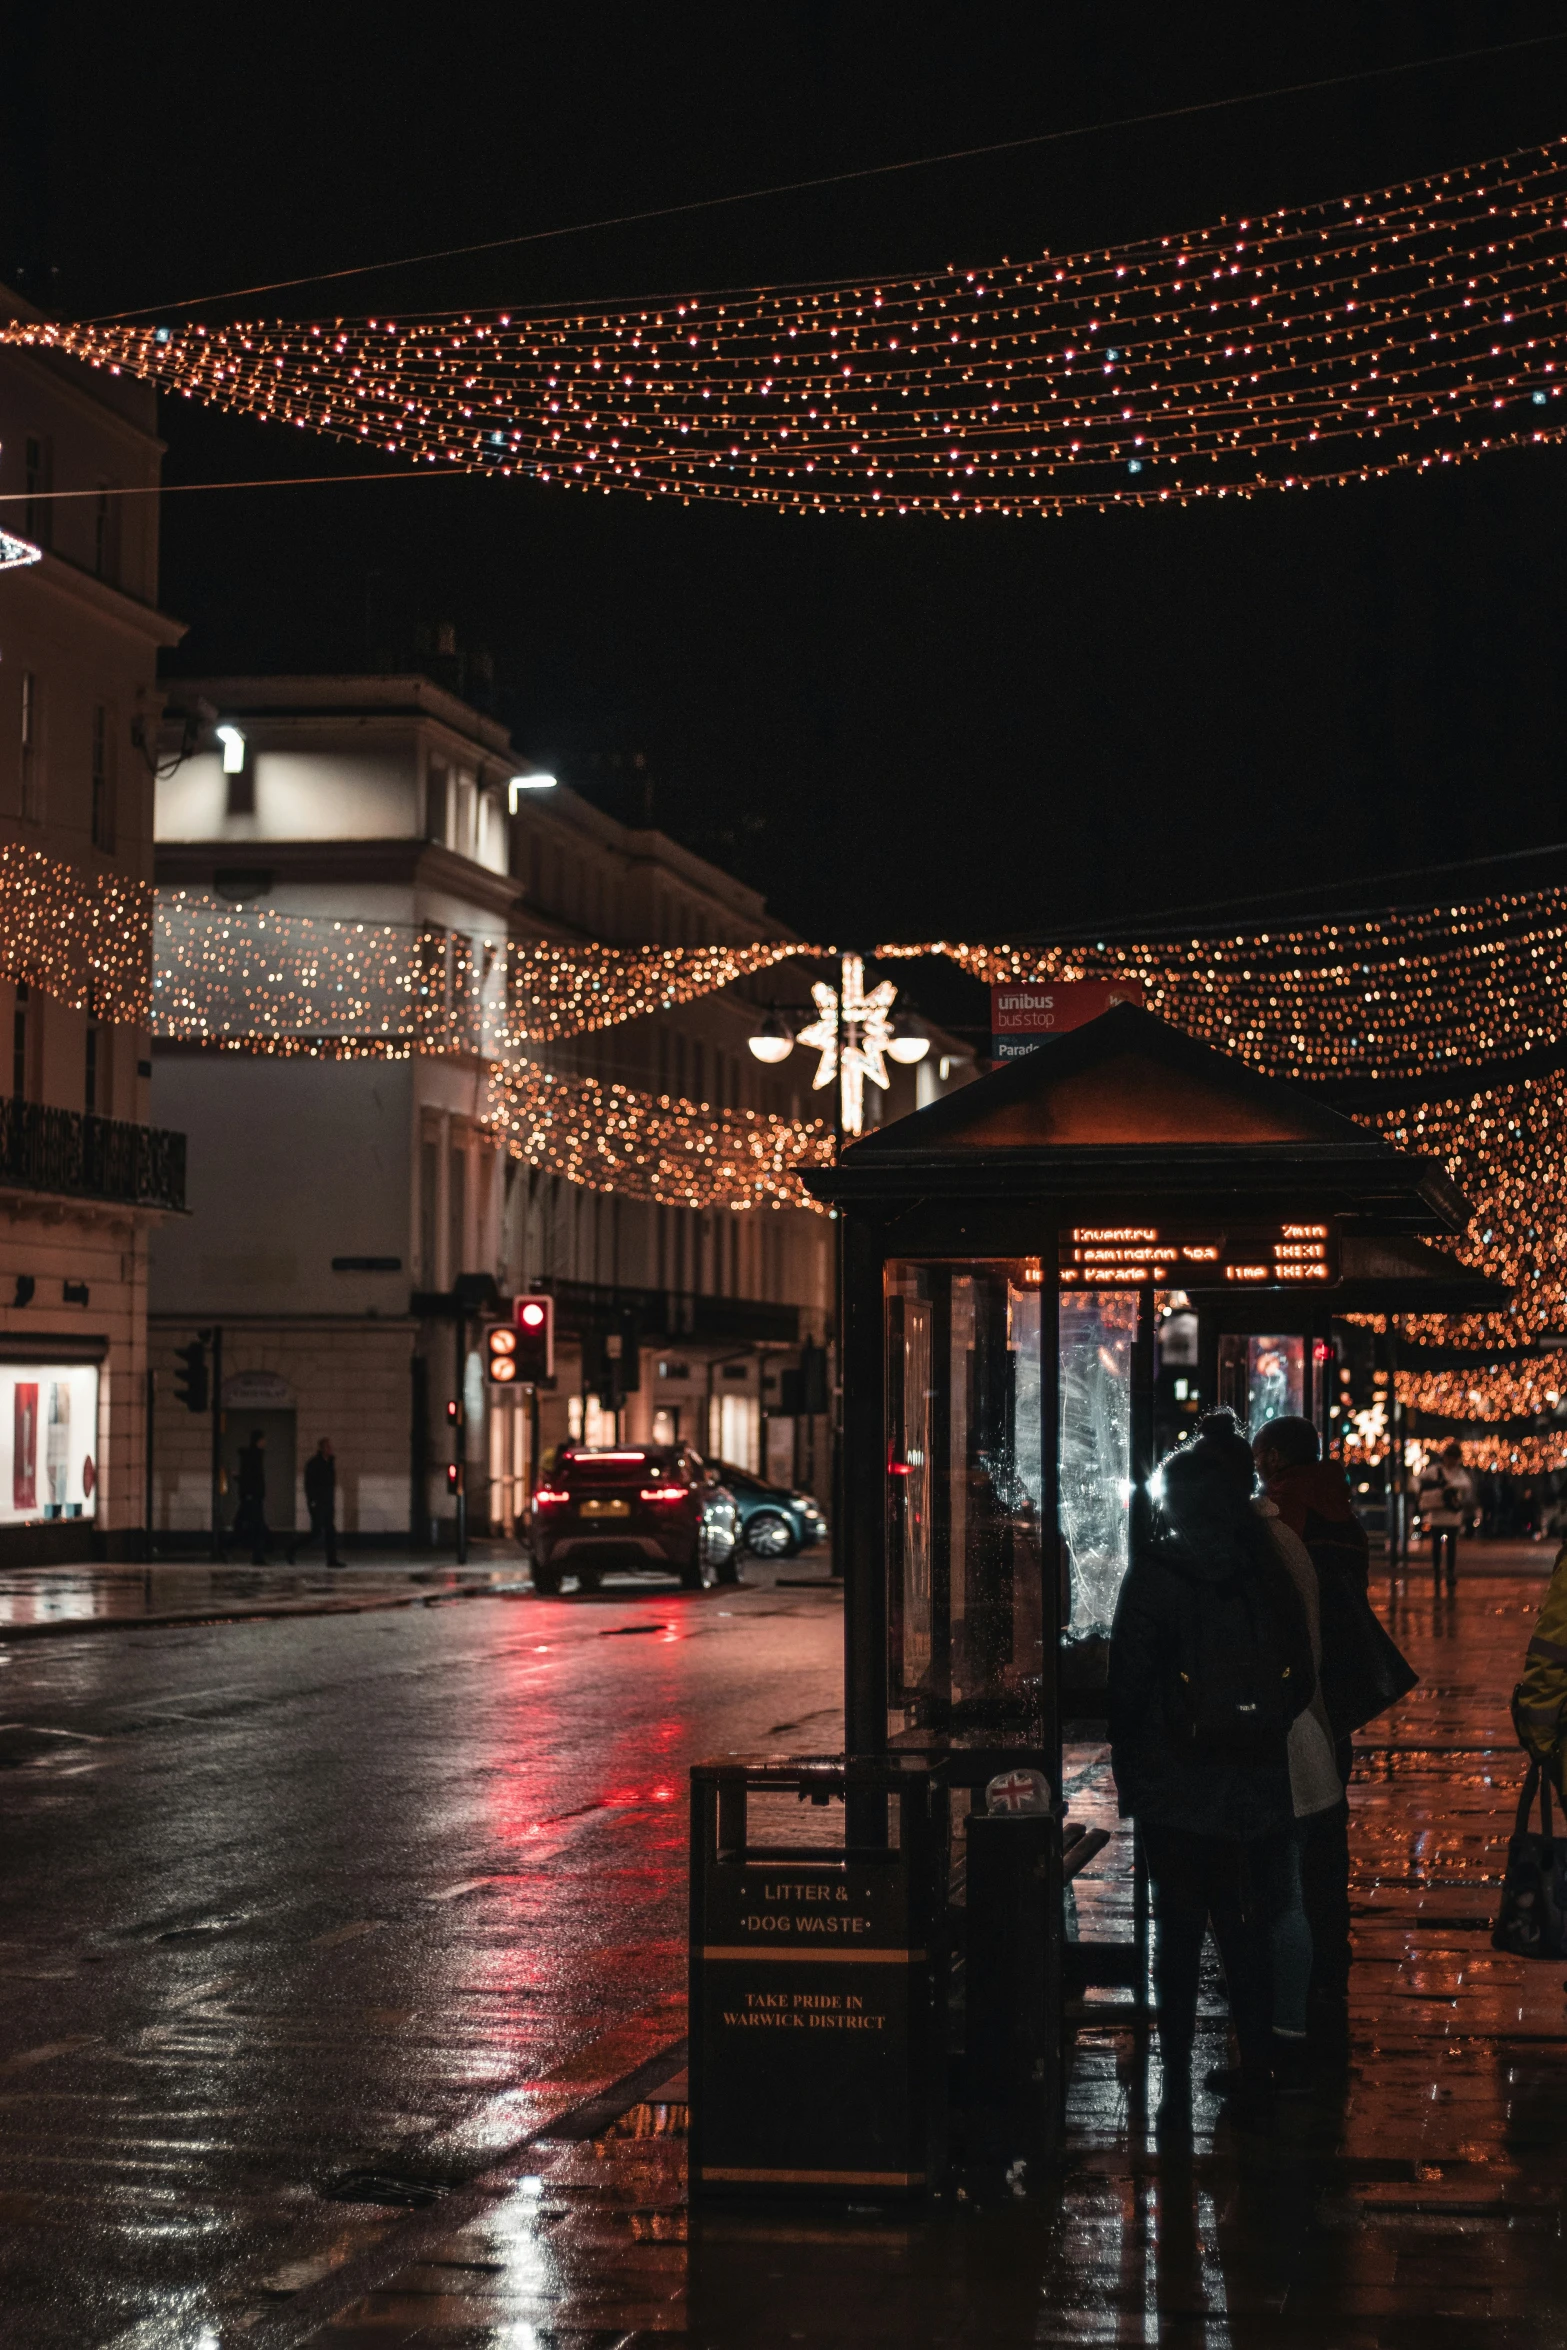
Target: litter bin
x=819, y=1980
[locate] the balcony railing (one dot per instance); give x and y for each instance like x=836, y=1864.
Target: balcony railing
x=43, y=1149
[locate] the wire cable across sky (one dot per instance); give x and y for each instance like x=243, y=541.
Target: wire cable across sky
x=1409, y=329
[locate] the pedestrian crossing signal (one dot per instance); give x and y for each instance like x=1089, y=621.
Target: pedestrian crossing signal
x=533, y=1329
x=500, y=1355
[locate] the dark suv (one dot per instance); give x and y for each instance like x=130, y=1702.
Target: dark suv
x=647, y=1507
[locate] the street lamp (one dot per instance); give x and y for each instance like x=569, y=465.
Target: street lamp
x=773, y=1041
x=908, y=1049
x=522, y=783
x=233, y=742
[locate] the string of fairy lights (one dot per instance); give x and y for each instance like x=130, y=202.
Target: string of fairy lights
x=1418, y=997
x=84, y=938
x=1403, y=330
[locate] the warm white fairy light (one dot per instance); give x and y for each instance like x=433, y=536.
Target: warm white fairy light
x=1404, y=330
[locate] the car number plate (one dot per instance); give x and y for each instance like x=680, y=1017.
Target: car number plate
x=606, y=1509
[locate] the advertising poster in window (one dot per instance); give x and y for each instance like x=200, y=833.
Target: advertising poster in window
x=49, y=1421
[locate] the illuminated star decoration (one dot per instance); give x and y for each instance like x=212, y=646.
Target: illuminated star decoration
x=867, y=1032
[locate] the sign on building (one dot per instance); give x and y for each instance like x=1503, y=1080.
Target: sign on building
x=1023, y=1014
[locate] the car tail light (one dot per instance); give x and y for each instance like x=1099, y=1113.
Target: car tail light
x=545, y=1499
x=662, y=1493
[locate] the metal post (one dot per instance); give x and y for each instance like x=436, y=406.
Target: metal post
x=839, y=1530
x=152, y=1400
x=1399, y=1516
x=219, y=1540
x=461, y=1436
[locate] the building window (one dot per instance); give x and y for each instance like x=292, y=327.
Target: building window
x=32, y=763
x=429, y=1187
x=435, y=791
x=106, y=533
x=102, y=779
x=456, y=1212
x=38, y=513
x=461, y=835
x=19, y=1041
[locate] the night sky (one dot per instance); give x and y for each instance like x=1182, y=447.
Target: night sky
x=986, y=730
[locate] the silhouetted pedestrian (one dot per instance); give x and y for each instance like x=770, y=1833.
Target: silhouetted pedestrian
x=1362, y=1673
x=321, y=1502
x=1210, y=1663
x=250, y=1517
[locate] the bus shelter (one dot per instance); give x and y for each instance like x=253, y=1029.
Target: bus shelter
x=1007, y=1253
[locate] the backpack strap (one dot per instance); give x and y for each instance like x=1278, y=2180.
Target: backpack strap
x=1533, y=1784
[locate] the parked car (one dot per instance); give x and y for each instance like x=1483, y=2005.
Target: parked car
x=653, y=1508
x=775, y=1521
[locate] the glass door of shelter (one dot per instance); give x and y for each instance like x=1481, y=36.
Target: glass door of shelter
x=1017, y=1437
x=966, y=1486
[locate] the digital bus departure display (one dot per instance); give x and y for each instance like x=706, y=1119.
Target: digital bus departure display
x=1252, y=1256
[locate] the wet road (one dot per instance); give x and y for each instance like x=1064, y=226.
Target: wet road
x=405, y=1893
x=291, y=1899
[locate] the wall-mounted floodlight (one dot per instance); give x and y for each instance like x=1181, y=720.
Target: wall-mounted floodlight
x=522, y=783
x=233, y=749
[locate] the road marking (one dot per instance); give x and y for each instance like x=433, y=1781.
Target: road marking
x=346, y=1933
x=49, y=2050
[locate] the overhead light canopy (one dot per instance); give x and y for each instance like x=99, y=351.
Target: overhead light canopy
x=522, y=783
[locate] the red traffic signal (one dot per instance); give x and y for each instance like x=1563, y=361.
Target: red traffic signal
x=453, y=1476
x=533, y=1320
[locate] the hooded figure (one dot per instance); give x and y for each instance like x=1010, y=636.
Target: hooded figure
x=1210, y=1663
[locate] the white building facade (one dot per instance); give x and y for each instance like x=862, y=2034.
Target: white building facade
x=336, y=1201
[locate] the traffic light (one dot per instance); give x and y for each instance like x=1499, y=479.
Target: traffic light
x=533, y=1319
x=500, y=1354
x=454, y=1476
x=191, y=1383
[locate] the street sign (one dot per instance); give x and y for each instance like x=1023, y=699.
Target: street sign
x=1287, y=1255
x=1023, y=1014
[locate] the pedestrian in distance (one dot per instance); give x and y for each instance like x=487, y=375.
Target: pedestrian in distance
x=321, y=1502
x=250, y=1517
x=1210, y=1665
x=1445, y=1500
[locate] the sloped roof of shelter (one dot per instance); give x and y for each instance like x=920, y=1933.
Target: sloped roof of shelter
x=1127, y=1097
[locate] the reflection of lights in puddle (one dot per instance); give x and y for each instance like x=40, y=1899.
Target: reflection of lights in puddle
x=511, y=2234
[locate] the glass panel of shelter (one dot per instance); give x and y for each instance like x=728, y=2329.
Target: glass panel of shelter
x=967, y=1480
x=977, y=1381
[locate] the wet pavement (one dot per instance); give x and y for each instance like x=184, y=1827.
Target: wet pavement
x=40, y=1601
x=393, y=1905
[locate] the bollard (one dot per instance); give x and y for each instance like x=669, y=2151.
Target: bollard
x=1013, y=2073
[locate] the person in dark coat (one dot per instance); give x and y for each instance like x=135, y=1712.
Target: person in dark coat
x=1210, y=1662
x=250, y=1517
x=321, y=1502
x=1362, y=1673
